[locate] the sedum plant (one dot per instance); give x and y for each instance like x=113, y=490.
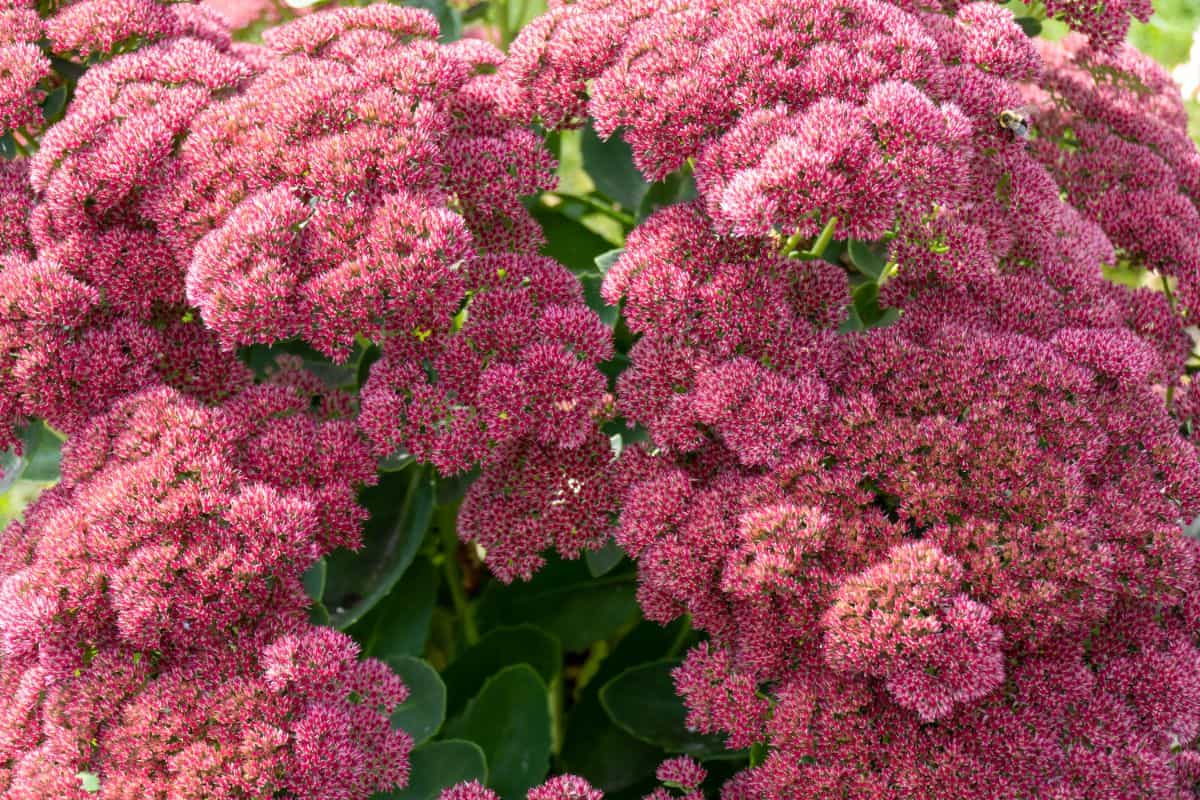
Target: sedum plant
x=663, y=399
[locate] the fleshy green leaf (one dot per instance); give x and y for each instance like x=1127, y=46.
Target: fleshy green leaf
x=401, y=507
x=314, y=580
x=1032, y=26
x=519, y=13
x=602, y=561
x=503, y=647
x=678, y=187
x=610, y=166
x=569, y=241
x=642, y=701
x=423, y=712
x=594, y=746
x=40, y=459
x=436, y=766
x=399, y=625
x=870, y=258
x=89, y=782
x=53, y=105
x=605, y=261
x=564, y=600
x=510, y=721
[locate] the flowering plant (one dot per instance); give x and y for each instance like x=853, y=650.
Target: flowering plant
x=664, y=399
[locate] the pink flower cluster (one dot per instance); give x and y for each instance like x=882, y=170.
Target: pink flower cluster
x=92, y=307
x=514, y=388
x=352, y=178
x=154, y=630
x=931, y=557
x=23, y=66
x=77, y=31
x=793, y=114
x=680, y=774
x=339, y=192
x=366, y=183
x=1112, y=129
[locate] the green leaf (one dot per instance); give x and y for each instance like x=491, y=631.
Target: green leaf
x=318, y=614
x=642, y=701
x=510, y=721
x=519, y=13
x=314, y=580
x=678, y=187
x=399, y=625
x=53, y=105
x=853, y=322
x=40, y=459
x=887, y=317
x=595, y=301
x=8, y=146
x=564, y=600
x=436, y=766
x=605, y=261
x=89, y=782
x=401, y=507
x=602, y=561
x=425, y=709
x=569, y=241
x=605, y=754
x=1032, y=26
x=610, y=166
x=870, y=258
x=503, y=647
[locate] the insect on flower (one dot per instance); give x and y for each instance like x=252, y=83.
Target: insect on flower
x=1016, y=120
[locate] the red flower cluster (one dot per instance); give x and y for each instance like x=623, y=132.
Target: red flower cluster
x=154, y=631
x=931, y=557
x=92, y=307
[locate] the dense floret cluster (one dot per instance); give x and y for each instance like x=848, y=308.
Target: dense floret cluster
x=39, y=51
x=1113, y=131
x=911, y=464
x=154, y=630
x=338, y=194
x=513, y=387
x=92, y=307
x=367, y=183
x=23, y=65
x=938, y=550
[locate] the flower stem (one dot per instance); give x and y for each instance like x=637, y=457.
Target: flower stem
x=592, y=203
x=447, y=524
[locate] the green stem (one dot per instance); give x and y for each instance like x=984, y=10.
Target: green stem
x=1166, y=285
x=822, y=243
x=558, y=714
x=680, y=638
x=792, y=244
x=791, y=248
x=447, y=523
x=626, y=220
